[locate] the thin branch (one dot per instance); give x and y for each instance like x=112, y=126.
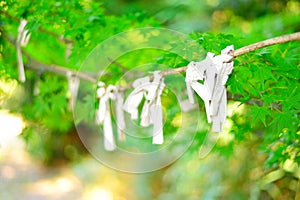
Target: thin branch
x=41, y=29
x=173, y=71
x=117, y=63
x=268, y=42
x=33, y=64
x=59, y=70
x=60, y=37
x=247, y=49
x=238, y=52
x=251, y=102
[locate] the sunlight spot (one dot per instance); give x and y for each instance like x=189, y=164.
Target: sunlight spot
x=290, y=166
x=64, y=184
x=212, y=3
x=11, y=126
x=246, y=27
x=235, y=108
x=100, y=194
x=53, y=187
x=225, y=137
x=293, y=7
x=177, y=120
x=7, y=89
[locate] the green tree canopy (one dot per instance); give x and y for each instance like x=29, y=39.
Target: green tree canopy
x=263, y=89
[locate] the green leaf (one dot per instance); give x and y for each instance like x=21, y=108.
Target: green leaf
x=258, y=113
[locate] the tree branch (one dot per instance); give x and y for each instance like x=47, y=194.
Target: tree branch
x=265, y=43
x=59, y=70
x=36, y=65
x=117, y=63
x=33, y=64
x=41, y=29
x=236, y=53
x=247, y=49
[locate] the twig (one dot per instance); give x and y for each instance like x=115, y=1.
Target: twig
x=251, y=102
x=236, y=53
x=59, y=70
x=117, y=63
x=41, y=29
x=265, y=43
x=173, y=71
x=246, y=49
x=33, y=64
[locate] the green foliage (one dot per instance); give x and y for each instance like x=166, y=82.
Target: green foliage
x=265, y=83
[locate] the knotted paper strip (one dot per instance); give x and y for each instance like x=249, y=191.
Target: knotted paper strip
x=103, y=115
x=73, y=85
x=119, y=99
x=22, y=40
x=214, y=71
x=152, y=108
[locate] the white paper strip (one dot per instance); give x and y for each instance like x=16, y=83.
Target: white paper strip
x=214, y=70
x=157, y=115
x=22, y=40
x=152, y=109
x=120, y=114
x=145, y=115
x=132, y=102
x=109, y=142
x=201, y=90
x=73, y=85
x=103, y=115
x=21, y=70
x=23, y=35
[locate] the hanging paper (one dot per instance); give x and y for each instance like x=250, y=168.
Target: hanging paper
x=119, y=99
x=73, y=85
x=103, y=115
x=152, y=108
x=214, y=71
x=22, y=40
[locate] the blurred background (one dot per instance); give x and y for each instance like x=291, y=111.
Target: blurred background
x=257, y=155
